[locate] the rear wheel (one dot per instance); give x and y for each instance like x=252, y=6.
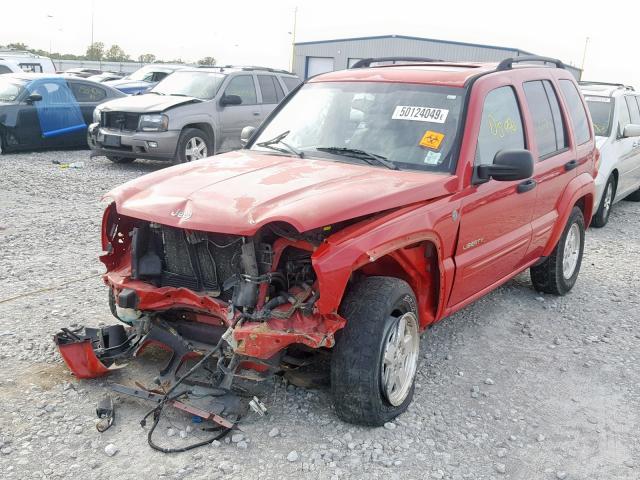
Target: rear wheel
x=601, y=217
x=559, y=272
x=193, y=144
x=374, y=362
x=120, y=159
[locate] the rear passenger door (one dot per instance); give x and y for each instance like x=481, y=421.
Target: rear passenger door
x=88, y=96
x=234, y=118
x=495, y=217
x=272, y=93
x=556, y=163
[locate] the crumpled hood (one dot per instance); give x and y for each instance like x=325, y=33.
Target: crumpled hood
x=149, y=102
x=238, y=192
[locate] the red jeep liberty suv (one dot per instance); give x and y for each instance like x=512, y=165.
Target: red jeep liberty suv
x=372, y=203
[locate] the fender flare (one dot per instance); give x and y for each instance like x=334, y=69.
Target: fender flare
x=335, y=262
x=580, y=187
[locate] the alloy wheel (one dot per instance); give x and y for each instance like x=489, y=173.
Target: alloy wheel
x=571, y=252
x=400, y=359
x=195, y=149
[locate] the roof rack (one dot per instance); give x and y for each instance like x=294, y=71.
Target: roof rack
x=248, y=68
x=607, y=84
x=366, y=62
x=507, y=63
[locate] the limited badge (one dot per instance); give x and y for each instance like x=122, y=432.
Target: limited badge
x=432, y=140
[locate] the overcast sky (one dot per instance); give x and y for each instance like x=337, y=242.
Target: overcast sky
x=258, y=31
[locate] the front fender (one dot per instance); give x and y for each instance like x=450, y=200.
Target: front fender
x=349, y=250
x=581, y=187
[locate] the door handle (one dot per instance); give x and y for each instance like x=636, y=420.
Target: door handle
x=256, y=113
x=527, y=185
x=570, y=165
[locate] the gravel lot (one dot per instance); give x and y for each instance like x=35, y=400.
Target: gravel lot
x=517, y=386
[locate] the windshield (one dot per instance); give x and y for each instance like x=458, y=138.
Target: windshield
x=203, y=85
x=601, y=109
x=413, y=126
x=10, y=89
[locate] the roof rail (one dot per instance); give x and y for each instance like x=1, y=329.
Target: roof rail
x=607, y=84
x=507, y=63
x=248, y=68
x=366, y=62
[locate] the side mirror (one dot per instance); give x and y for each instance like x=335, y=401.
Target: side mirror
x=34, y=97
x=227, y=100
x=508, y=165
x=631, y=130
x=246, y=134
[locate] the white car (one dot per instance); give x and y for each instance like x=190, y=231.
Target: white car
x=615, y=110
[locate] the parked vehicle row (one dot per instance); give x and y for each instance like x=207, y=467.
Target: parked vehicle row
x=372, y=203
x=615, y=110
x=192, y=114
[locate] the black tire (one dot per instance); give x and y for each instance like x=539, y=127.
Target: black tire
x=120, y=159
x=634, y=197
x=601, y=217
x=548, y=277
x=186, y=136
x=372, y=309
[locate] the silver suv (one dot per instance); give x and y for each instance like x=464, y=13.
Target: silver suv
x=191, y=114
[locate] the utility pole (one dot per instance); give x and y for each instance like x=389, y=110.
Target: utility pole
x=584, y=54
x=293, y=37
x=49, y=16
x=92, y=10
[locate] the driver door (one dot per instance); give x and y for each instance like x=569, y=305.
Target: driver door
x=495, y=217
x=233, y=118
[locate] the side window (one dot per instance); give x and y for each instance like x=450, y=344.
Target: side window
x=243, y=86
x=633, y=109
x=547, y=120
x=577, y=113
x=87, y=93
x=4, y=69
x=268, y=88
x=291, y=82
x=501, y=125
x=157, y=76
x=279, y=91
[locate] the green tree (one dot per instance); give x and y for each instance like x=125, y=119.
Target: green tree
x=147, y=58
x=17, y=46
x=95, y=51
x=116, y=54
x=207, y=61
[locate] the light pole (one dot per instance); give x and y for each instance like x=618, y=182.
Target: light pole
x=293, y=37
x=50, y=32
x=584, y=54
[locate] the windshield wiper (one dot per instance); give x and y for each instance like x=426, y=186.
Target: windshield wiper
x=279, y=139
x=155, y=93
x=370, y=158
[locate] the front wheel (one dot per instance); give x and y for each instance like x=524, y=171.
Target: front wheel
x=559, y=272
x=375, y=359
x=193, y=144
x=601, y=217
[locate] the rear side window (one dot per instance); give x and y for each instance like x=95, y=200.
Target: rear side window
x=243, y=86
x=4, y=69
x=87, y=93
x=547, y=119
x=633, y=109
x=270, y=88
x=577, y=113
x=291, y=82
x=501, y=125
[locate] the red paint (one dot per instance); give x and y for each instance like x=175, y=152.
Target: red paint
x=82, y=360
x=413, y=225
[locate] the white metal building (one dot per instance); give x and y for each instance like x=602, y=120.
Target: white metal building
x=313, y=58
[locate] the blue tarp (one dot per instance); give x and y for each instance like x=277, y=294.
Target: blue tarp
x=58, y=111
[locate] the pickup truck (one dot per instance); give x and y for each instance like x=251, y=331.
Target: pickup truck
x=372, y=203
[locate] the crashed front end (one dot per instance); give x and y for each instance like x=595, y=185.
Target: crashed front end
x=187, y=290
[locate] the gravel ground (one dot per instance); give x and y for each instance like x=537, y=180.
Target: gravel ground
x=518, y=385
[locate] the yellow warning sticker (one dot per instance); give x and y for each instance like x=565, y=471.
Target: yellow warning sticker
x=432, y=140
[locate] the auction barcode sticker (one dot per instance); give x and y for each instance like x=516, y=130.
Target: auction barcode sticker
x=420, y=114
